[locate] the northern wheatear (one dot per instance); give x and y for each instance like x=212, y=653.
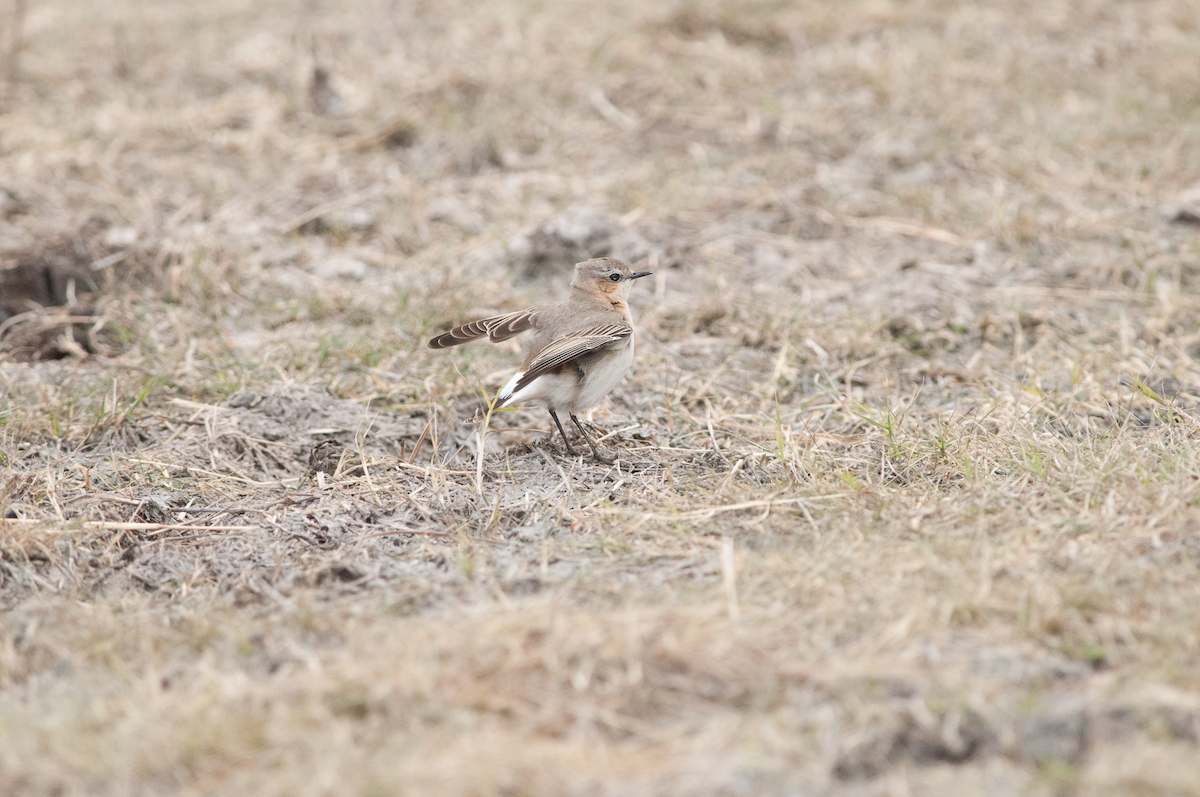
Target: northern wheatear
x=581, y=350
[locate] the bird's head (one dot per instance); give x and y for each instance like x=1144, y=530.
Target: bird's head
x=606, y=276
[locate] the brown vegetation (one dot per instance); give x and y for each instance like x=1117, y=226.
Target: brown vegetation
x=907, y=492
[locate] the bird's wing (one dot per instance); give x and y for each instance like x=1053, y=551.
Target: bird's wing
x=497, y=328
x=570, y=346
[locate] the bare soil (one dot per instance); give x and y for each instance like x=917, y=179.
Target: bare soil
x=906, y=493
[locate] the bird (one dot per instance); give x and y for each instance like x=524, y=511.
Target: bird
x=580, y=350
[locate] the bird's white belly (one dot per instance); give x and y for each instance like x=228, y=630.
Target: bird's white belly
x=565, y=391
x=555, y=391
x=603, y=377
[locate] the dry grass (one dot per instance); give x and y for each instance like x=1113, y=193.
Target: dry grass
x=908, y=497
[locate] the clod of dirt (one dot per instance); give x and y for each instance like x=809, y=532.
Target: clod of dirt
x=401, y=134
x=155, y=509
x=345, y=572
x=47, y=275
x=1180, y=214
x=397, y=134
x=712, y=460
x=325, y=99
x=58, y=273
x=1058, y=734
x=39, y=335
x=333, y=459
x=10, y=203
x=918, y=737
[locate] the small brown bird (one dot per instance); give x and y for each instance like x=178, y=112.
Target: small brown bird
x=581, y=350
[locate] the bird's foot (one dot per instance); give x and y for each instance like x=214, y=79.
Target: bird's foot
x=607, y=460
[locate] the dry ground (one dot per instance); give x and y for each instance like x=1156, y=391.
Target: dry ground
x=908, y=493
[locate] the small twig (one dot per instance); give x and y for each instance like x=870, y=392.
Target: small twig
x=566, y=481
x=615, y=432
x=733, y=472
x=156, y=527
x=417, y=532
x=729, y=571
x=47, y=320
x=196, y=405
x=768, y=503
x=50, y=493
x=612, y=113
x=116, y=499
x=113, y=259
x=711, y=434
x=420, y=440
x=897, y=226
x=429, y=471
x=166, y=466
x=320, y=210
x=202, y=510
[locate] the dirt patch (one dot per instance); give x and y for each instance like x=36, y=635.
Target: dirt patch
x=51, y=295
x=903, y=499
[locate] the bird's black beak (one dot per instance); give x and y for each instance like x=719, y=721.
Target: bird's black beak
x=640, y=274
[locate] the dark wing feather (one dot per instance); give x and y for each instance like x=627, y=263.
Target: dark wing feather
x=569, y=347
x=497, y=328
x=509, y=325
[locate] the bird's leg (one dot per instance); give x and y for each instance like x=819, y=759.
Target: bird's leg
x=595, y=451
x=566, y=442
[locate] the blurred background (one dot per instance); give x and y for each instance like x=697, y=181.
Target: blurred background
x=298, y=162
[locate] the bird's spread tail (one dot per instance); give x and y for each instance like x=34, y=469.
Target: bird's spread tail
x=497, y=328
x=506, y=392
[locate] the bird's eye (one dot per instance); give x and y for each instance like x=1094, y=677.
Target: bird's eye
x=615, y=277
